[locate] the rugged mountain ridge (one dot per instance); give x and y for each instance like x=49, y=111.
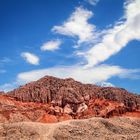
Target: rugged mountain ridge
x=62, y=91
x=52, y=99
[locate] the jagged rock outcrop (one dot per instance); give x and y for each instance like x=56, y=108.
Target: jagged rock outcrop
x=52, y=99
x=67, y=91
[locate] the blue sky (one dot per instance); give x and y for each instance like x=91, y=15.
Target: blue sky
x=93, y=41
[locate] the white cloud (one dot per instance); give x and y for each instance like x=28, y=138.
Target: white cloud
x=5, y=60
x=8, y=86
x=117, y=37
x=106, y=84
x=51, y=45
x=77, y=26
x=131, y=74
x=90, y=75
x=92, y=2
x=30, y=58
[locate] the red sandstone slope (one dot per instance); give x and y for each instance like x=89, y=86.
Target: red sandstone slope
x=51, y=100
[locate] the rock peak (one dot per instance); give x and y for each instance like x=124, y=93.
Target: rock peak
x=60, y=99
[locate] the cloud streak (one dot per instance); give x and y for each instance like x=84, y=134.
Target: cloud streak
x=111, y=40
x=117, y=37
x=92, y=2
x=90, y=75
x=8, y=86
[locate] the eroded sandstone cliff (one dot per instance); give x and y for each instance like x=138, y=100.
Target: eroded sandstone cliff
x=52, y=99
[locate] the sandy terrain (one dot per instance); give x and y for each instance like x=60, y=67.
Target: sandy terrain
x=119, y=128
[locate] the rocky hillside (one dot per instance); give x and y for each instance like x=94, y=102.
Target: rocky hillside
x=52, y=99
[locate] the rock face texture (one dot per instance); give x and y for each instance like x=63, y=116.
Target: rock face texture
x=52, y=99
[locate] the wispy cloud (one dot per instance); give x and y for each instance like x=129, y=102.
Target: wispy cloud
x=92, y=2
x=5, y=60
x=77, y=26
x=91, y=75
x=117, y=37
x=105, y=84
x=51, y=45
x=30, y=58
x=8, y=86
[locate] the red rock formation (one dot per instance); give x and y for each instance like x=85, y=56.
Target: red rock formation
x=51, y=100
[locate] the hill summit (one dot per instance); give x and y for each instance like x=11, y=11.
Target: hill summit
x=52, y=99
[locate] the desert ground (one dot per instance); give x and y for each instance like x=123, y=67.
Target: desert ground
x=118, y=128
